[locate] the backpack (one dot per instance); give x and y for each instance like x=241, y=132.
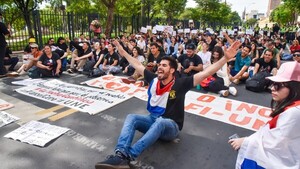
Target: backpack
x=96, y=73
x=258, y=83
x=34, y=72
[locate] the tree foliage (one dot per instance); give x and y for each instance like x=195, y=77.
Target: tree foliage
x=283, y=14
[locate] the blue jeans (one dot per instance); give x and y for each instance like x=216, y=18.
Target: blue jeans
x=154, y=128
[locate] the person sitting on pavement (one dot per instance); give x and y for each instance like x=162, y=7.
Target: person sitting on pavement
x=221, y=83
x=61, y=44
x=79, y=55
x=27, y=49
x=276, y=144
x=29, y=62
x=154, y=57
x=267, y=63
x=8, y=60
x=99, y=55
x=241, y=63
x=295, y=46
x=296, y=56
x=205, y=55
x=271, y=45
x=111, y=61
x=165, y=104
x=49, y=64
x=189, y=63
x=139, y=55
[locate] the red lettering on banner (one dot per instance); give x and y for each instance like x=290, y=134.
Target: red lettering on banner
x=41, y=89
x=265, y=112
x=205, y=111
x=136, y=90
x=228, y=105
x=257, y=124
x=233, y=119
x=192, y=106
x=4, y=105
x=247, y=107
x=123, y=89
x=108, y=77
x=218, y=113
x=110, y=85
x=95, y=82
x=206, y=98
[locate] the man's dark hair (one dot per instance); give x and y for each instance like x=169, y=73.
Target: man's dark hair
x=160, y=41
x=249, y=47
x=132, y=40
x=269, y=50
x=154, y=44
x=172, y=61
x=190, y=46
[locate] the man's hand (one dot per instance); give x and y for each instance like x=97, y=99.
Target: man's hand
x=187, y=70
x=232, y=50
x=119, y=47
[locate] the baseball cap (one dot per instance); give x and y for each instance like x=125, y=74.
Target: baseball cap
x=207, y=34
x=190, y=46
x=289, y=71
x=32, y=40
x=34, y=45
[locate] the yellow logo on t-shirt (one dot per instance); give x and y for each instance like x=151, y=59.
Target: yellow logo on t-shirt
x=172, y=94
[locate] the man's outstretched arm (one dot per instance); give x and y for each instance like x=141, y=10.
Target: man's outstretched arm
x=210, y=70
x=133, y=61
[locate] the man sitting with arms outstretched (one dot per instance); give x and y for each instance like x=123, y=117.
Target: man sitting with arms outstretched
x=166, y=95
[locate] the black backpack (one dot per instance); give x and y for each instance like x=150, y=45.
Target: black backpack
x=258, y=83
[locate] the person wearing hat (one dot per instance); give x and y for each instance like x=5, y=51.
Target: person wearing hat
x=30, y=61
x=3, y=32
x=210, y=41
x=189, y=63
x=27, y=48
x=276, y=144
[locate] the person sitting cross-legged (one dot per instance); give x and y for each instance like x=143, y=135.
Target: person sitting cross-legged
x=242, y=62
x=189, y=63
x=166, y=95
x=111, y=61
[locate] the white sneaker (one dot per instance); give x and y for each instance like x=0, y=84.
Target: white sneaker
x=224, y=93
x=232, y=91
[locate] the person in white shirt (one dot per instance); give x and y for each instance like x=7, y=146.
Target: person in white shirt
x=205, y=55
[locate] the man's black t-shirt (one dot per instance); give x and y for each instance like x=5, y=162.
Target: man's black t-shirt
x=186, y=61
x=174, y=105
x=111, y=58
x=266, y=66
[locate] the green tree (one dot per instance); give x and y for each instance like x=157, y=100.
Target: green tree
x=26, y=7
x=251, y=22
x=283, y=14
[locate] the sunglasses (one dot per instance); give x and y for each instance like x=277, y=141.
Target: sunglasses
x=296, y=55
x=277, y=86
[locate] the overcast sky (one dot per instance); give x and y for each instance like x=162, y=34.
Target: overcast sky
x=239, y=5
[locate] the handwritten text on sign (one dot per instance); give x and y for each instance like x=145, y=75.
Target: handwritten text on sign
x=85, y=99
x=246, y=115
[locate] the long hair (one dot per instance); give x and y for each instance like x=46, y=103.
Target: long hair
x=294, y=95
x=219, y=50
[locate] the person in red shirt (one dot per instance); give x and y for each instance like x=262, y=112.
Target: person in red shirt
x=294, y=47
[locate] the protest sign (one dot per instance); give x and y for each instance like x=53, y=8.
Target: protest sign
x=36, y=133
x=5, y=105
x=6, y=118
x=81, y=98
x=246, y=115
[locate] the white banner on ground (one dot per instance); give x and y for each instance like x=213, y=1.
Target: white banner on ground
x=6, y=118
x=5, y=105
x=36, y=133
x=27, y=82
x=85, y=99
x=242, y=114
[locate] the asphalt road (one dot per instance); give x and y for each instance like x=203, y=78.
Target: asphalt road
x=202, y=143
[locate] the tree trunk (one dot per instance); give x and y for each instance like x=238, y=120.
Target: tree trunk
x=28, y=23
x=110, y=18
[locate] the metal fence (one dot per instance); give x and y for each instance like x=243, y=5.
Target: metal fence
x=54, y=24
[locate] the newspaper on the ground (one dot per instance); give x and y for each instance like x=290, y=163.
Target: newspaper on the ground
x=6, y=118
